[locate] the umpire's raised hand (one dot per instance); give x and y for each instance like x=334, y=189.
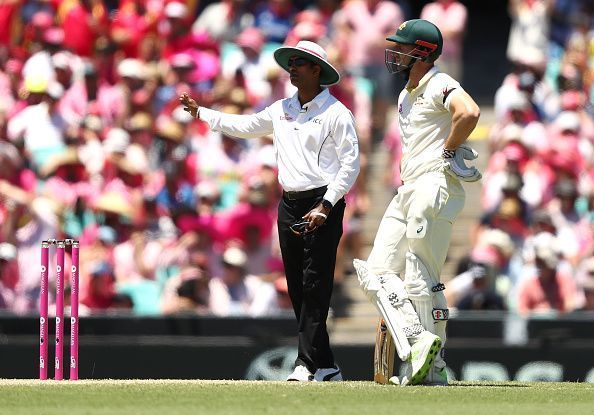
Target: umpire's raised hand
x=190, y=105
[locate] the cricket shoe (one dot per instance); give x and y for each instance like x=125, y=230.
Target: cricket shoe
x=301, y=374
x=437, y=377
x=331, y=374
x=422, y=355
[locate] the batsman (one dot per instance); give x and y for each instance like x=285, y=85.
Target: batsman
x=401, y=277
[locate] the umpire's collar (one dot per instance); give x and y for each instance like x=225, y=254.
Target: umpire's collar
x=318, y=101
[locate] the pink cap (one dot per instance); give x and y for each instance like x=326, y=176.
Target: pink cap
x=54, y=35
x=572, y=100
x=251, y=38
x=14, y=66
x=182, y=60
x=42, y=19
x=514, y=151
x=309, y=30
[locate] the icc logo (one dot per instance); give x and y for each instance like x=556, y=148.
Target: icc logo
x=41, y=320
x=58, y=268
x=72, y=320
x=72, y=362
x=41, y=362
x=58, y=320
x=57, y=365
x=43, y=268
x=73, y=269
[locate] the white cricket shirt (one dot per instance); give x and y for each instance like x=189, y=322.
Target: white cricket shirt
x=315, y=145
x=425, y=123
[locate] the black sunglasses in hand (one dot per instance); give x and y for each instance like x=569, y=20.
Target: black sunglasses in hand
x=300, y=228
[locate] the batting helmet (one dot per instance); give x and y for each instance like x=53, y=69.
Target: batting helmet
x=422, y=33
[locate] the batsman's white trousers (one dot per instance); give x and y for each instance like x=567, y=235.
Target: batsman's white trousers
x=416, y=229
x=418, y=220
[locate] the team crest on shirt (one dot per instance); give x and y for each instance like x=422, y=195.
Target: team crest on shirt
x=286, y=117
x=420, y=100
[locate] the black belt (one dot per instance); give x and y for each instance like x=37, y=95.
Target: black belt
x=306, y=194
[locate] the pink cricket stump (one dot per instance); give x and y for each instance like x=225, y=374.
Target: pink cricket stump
x=43, y=300
x=59, y=367
x=74, y=313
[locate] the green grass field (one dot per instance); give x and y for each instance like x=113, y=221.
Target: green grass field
x=171, y=397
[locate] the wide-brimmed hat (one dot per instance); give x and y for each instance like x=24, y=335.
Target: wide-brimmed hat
x=312, y=51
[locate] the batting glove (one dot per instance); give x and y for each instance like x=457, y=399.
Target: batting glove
x=456, y=166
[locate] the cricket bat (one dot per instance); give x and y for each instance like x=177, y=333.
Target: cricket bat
x=385, y=351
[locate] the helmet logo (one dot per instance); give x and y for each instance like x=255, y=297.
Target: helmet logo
x=402, y=26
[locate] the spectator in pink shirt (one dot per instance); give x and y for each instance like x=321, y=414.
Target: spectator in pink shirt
x=549, y=289
x=450, y=16
x=368, y=23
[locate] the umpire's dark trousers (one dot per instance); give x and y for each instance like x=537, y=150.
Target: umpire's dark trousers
x=309, y=266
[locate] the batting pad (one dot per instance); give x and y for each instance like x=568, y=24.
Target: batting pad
x=428, y=299
x=391, y=300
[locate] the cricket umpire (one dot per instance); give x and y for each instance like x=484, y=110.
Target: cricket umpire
x=317, y=153
x=435, y=116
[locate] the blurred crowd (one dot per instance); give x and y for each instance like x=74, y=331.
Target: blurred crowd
x=94, y=146
x=534, y=246
x=173, y=217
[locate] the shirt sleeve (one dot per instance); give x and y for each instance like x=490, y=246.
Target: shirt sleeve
x=240, y=126
x=443, y=89
x=347, y=149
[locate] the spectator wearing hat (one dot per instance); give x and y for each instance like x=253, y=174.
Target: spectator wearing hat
x=40, y=127
x=565, y=217
x=182, y=73
x=236, y=293
x=39, y=66
x=250, y=65
x=187, y=292
x=134, y=90
x=494, y=251
x=549, y=288
x=125, y=163
x=481, y=295
x=318, y=162
x=29, y=219
x=510, y=216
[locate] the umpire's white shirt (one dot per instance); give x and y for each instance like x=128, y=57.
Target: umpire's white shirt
x=425, y=123
x=315, y=145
